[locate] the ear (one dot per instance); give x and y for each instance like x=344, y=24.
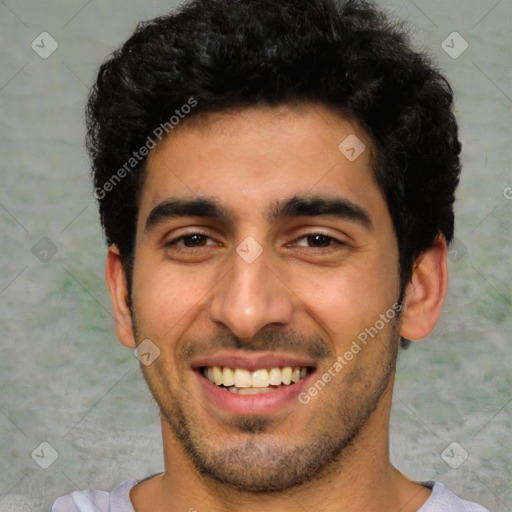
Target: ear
x=424, y=295
x=116, y=282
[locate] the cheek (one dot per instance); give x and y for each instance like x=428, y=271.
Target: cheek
x=166, y=300
x=346, y=301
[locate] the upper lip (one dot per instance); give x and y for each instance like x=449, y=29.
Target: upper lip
x=252, y=360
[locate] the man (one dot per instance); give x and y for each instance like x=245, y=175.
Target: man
x=276, y=183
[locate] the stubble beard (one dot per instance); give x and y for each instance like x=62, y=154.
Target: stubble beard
x=262, y=462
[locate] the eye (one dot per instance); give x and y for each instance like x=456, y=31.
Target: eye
x=192, y=240
x=317, y=240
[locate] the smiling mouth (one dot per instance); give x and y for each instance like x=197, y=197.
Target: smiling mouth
x=244, y=382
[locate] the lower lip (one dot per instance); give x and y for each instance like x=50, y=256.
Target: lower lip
x=265, y=403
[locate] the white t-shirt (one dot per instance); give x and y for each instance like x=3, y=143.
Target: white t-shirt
x=441, y=500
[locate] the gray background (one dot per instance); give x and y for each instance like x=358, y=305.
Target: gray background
x=64, y=378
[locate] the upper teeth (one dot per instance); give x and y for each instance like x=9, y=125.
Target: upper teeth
x=262, y=378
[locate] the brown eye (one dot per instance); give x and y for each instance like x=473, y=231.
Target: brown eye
x=319, y=241
x=191, y=241
x=194, y=240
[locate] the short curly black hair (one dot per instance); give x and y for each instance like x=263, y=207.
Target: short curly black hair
x=233, y=54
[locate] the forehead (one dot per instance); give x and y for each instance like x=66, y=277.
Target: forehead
x=249, y=159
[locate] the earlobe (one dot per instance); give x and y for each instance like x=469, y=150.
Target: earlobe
x=116, y=282
x=424, y=294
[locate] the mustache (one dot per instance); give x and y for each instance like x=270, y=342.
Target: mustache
x=269, y=339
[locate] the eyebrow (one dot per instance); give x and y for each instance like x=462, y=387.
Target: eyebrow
x=297, y=206
x=316, y=206
x=172, y=208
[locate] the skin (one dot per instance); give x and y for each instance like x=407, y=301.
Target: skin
x=299, y=295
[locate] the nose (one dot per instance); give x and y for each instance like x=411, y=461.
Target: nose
x=250, y=297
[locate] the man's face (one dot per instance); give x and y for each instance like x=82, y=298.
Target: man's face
x=260, y=245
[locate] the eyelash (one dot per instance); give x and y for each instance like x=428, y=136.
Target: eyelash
x=329, y=248
x=187, y=235
x=333, y=246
